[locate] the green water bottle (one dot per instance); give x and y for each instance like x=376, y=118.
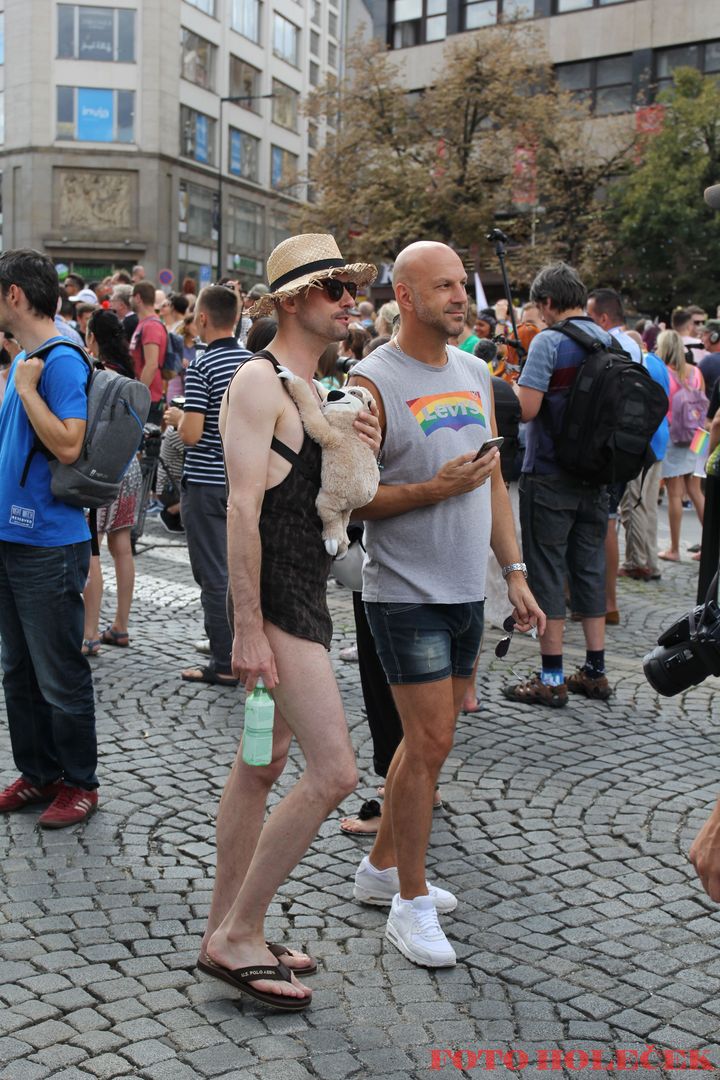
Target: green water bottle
x=258, y=732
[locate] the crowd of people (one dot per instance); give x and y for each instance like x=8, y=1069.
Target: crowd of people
x=239, y=477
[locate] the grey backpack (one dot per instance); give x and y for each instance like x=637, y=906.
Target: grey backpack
x=117, y=410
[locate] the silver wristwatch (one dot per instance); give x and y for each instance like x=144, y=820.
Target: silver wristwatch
x=513, y=566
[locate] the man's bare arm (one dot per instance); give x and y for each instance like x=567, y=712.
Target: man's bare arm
x=456, y=477
x=151, y=359
x=253, y=404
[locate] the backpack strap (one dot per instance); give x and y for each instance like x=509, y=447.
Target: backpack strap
x=42, y=351
x=588, y=342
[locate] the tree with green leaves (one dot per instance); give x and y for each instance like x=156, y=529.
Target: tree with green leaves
x=442, y=163
x=669, y=240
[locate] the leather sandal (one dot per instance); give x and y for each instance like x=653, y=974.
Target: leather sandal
x=535, y=692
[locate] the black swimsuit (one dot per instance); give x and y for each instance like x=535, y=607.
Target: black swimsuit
x=295, y=565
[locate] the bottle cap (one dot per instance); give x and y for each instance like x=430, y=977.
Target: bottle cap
x=259, y=685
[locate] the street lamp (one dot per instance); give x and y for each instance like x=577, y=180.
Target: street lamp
x=235, y=99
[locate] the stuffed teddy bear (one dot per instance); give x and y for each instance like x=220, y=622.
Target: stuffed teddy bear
x=350, y=475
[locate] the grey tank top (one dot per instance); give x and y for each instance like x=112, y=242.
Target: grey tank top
x=438, y=554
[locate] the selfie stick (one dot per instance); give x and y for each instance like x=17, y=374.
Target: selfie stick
x=499, y=239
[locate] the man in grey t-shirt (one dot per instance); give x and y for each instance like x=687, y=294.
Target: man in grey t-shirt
x=428, y=534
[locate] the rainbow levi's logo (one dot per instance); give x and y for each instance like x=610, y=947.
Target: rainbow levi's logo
x=454, y=410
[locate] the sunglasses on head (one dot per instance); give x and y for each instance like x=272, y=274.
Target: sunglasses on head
x=334, y=288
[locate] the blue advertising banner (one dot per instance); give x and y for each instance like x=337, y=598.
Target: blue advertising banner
x=95, y=115
x=201, y=138
x=235, y=153
x=276, y=167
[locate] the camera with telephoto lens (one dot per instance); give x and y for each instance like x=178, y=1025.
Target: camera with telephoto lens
x=345, y=363
x=688, y=651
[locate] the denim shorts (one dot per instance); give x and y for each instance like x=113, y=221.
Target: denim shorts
x=419, y=643
x=563, y=525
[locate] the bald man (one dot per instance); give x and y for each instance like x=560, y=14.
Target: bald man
x=440, y=507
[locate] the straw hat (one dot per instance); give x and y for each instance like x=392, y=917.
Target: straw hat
x=305, y=260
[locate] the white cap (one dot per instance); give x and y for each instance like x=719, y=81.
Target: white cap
x=85, y=296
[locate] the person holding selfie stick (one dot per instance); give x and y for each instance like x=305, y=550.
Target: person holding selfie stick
x=440, y=507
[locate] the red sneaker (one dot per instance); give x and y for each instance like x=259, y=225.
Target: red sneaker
x=71, y=805
x=23, y=793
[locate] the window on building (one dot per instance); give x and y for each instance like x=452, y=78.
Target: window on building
x=285, y=105
x=332, y=54
x=580, y=5
x=2, y=127
x=283, y=168
x=208, y=6
x=417, y=21
x=314, y=74
x=201, y=209
x=278, y=229
x=605, y=84
x=247, y=18
x=87, y=114
x=479, y=13
x=245, y=226
x=197, y=60
x=245, y=80
x=95, y=33
x=244, y=153
x=314, y=43
x=315, y=12
x=286, y=39
x=2, y=37
x=312, y=135
x=197, y=136
x=332, y=24
x=705, y=56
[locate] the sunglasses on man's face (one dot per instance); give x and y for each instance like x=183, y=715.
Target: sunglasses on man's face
x=334, y=288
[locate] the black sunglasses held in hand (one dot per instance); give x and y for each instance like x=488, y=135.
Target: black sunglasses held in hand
x=503, y=645
x=334, y=288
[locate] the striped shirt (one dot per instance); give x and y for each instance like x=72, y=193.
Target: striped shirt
x=207, y=379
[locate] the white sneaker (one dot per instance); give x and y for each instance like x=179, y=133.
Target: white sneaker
x=378, y=887
x=413, y=928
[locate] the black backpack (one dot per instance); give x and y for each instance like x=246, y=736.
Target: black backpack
x=613, y=410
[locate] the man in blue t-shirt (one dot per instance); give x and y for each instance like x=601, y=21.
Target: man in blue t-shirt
x=563, y=519
x=44, y=556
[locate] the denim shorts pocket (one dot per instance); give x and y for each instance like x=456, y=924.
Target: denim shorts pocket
x=553, y=514
x=398, y=609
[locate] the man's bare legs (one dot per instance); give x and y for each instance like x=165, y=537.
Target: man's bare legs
x=428, y=712
x=309, y=701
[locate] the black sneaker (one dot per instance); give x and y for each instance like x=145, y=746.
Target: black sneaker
x=171, y=522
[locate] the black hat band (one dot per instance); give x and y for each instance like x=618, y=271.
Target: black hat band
x=306, y=268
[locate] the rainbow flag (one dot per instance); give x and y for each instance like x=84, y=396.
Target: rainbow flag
x=699, y=441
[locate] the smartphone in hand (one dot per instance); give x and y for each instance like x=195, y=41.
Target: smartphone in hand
x=488, y=446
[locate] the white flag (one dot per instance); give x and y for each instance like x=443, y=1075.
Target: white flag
x=480, y=297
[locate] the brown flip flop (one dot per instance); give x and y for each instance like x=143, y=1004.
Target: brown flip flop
x=282, y=950
x=241, y=978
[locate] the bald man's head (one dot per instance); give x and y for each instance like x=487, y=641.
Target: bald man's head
x=416, y=260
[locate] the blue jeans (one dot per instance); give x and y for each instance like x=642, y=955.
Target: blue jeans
x=47, y=681
x=419, y=643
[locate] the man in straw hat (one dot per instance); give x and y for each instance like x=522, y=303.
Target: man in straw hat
x=429, y=531
x=278, y=570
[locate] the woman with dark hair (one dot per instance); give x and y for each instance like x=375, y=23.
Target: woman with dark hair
x=261, y=333
x=107, y=342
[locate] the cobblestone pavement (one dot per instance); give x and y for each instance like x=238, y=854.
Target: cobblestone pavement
x=580, y=923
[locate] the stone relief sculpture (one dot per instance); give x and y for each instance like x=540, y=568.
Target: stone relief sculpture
x=96, y=200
